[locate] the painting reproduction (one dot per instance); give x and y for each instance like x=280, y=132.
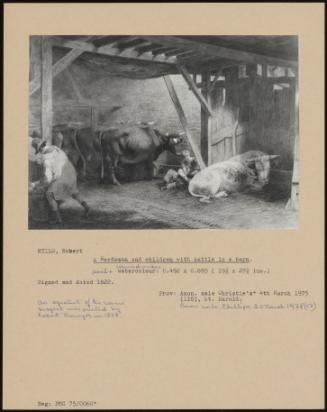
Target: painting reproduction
x=163, y=132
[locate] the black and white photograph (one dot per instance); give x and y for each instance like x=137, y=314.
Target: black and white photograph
x=163, y=132
x=163, y=226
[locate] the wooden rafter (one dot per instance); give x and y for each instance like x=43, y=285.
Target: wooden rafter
x=113, y=50
x=161, y=50
x=57, y=68
x=216, y=52
x=146, y=47
x=131, y=42
x=101, y=40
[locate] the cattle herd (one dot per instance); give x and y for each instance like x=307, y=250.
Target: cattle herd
x=113, y=145
x=132, y=144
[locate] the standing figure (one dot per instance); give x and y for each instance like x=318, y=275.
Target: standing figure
x=59, y=180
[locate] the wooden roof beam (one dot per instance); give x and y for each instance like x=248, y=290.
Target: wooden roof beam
x=161, y=50
x=143, y=48
x=180, y=52
x=112, y=50
x=57, y=68
x=188, y=54
x=221, y=52
x=130, y=43
x=102, y=40
x=131, y=53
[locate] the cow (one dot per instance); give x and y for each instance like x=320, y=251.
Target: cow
x=79, y=143
x=248, y=170
x=134, y=144
x=113, y=145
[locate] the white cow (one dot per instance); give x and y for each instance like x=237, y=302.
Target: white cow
x=248, y=170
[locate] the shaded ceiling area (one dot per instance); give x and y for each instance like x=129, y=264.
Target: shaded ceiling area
x=142, y=57
x=284, y=47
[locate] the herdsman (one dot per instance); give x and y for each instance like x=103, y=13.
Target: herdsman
x=59, y=180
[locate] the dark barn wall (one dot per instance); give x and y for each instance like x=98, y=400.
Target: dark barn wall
x=265, y=111
x=272, y=120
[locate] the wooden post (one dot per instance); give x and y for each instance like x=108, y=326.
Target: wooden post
x=182, y=119
x=234, y=132
x=94, y=117
x=35, y=57
x=264, y=70
x=46, y=89
x=206, y=121
x=251, y=71
x=293, y=202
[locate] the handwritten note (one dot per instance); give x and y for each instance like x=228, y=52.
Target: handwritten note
x=79, y=309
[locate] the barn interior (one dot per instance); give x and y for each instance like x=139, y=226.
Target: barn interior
x=229, y=94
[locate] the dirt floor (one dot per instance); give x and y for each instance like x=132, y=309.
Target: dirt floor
x=142, y=205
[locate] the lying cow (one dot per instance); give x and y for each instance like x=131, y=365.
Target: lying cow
x=132, y=145
x=248, y=170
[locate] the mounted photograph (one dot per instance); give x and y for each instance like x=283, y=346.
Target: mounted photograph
x=163, y=132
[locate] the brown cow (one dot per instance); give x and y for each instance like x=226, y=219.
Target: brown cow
x=124, y=144
x=132, y=145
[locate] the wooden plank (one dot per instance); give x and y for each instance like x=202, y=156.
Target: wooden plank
x=46, y=89
x=232, y=102
x=277, y=80
x=58, y=67
x=101, y=40
x=195, y=90
x=161, y=50
x=214, y=51
x=234, y=133
x=134, y=54
x=73, y=105
x=182, y=118
x=149, y=46
x=132, y=41
x=227, y=133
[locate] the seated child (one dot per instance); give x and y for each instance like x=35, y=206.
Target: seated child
x=189, y=167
